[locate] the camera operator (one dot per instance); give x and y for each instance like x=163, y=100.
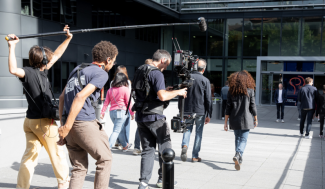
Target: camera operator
x=39, y=129
x=151, y=122
x=198, y=101
x=82, y=132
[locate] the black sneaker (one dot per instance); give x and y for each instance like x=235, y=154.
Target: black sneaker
x=141, y=186
x=184, y=153
x=159, y=183
x=236, y=160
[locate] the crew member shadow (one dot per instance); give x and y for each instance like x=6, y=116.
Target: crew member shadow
x=47, y=171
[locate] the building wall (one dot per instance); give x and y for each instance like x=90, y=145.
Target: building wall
x=132, y=52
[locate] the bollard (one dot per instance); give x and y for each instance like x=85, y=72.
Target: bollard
x=168, y=156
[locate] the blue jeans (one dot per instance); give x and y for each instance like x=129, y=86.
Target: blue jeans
x=199, y=122
x=309, y=114
x=241, y=137
x=126, y=128
x=118, y=117
x=137, y=140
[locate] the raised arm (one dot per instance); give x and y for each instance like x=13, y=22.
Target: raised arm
x=60, y=50
x=12, y=62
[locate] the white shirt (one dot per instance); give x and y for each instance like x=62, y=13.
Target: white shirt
x=280, y=96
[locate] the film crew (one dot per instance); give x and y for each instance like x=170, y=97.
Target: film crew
x=240, y=108
x=118, y=96
x=308, y=98
x=152, y=125
x=280, y=98
x=40, y=129
x=198, y=101
x=81, y=131
x=321, y=112
x=224, y=93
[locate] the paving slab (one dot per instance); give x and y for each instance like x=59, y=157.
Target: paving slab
x=275, y=157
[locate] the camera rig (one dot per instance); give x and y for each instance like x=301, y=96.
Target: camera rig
x=184, y=64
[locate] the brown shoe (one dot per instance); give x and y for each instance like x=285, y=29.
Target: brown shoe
x=184, y=153
x=196, y=159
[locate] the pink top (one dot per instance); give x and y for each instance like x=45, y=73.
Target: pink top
x=121, y=96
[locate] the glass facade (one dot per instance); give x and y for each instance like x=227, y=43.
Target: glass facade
x=233, y=44
x=206, y=6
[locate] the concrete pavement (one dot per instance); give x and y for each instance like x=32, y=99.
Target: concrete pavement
x=275, y=156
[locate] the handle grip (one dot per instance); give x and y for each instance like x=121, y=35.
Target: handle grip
x=8, y=38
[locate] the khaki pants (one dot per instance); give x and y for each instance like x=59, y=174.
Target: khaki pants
x=34, y=131
x=88, y=137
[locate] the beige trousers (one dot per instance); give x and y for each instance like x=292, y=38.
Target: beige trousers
x=35, y=139
x=87, y=137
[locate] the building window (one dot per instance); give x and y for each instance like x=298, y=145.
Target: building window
x=271, y=36
x=234, y=36
x=64, y=11
x=215, y=37
x=25, y=7
x=311, y=36
x=252, y=37
x=290, y=36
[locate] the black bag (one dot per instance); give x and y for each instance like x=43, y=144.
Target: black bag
x=49, y=110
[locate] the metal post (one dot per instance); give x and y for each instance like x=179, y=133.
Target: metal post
x=168, y=156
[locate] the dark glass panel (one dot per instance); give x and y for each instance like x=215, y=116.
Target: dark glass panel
x=182, y=36
x=215, y=37
x=271, y=36
x=37, y=8
x=234, y=36
x=25, y=7
x=290, y=36
x=252, y=36
x=311, y=36
x=214, y=74
x=250, y=66
x=232, y=65
x=198, y=41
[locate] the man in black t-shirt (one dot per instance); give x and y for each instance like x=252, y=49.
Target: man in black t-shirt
x=39, y=130
x=153, y=128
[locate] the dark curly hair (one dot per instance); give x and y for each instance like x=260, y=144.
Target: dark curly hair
x=103, y=50
x=36, y=56
x=239, y=82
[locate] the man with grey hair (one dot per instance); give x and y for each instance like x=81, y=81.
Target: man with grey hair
x=152, y=125
x=198, y=101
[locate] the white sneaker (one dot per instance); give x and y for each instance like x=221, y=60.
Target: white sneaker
x=321, y=136
x=282, y=121
x=277, y=120
x=298, y=119
x=136, y=152
x=120, y=147
x=308, y=137
x=223, y=118
x=301, y=134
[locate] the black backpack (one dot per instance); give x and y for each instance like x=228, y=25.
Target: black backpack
x=140, y=83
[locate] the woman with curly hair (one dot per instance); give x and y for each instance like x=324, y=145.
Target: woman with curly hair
x=240, y=108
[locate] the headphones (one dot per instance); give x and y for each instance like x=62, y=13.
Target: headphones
x=44, y=61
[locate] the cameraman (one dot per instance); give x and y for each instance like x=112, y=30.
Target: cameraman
x=39, y=129
x=152, y=126
x=198, y=101
x=82, y=132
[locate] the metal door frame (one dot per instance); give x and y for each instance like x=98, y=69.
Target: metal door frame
x=259, y=71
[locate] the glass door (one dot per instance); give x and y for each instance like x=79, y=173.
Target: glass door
x=276, y=79
x=270, y=83
x=266, y=88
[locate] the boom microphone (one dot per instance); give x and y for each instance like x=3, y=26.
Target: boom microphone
x=202, y=25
